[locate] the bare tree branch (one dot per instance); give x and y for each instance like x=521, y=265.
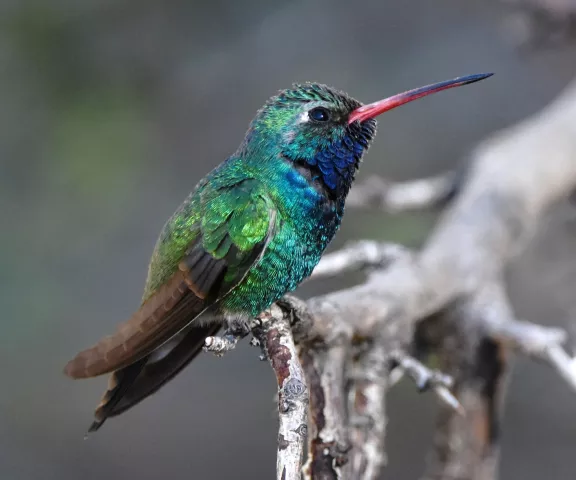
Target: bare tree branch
x=426, y=378
x=538, y=23
x=367, y=403
x=451, y=293
x=328, y=443
x=358, y=256
x=467, y=446
x=275, y=337
x=219, y=345
x=475, y=337
x=395, y=197
x=536, y=341
x=507, y=191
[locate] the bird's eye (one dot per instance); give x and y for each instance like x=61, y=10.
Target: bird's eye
x=319, y=114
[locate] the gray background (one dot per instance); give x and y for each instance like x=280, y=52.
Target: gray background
x=110, y=111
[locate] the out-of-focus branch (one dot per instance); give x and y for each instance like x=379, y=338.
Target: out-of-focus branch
x=395, y=197
x=508, y=189
x=358, y=256
x=367, y=395
x=328, y=442
x=539, y=342
x=474, y=343
x=467, y=446
x=452, y=291
x=425, y=378
x=537, y=23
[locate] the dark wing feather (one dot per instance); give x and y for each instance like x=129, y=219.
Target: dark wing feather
x=213, y=265
x=130, y=385
x=163, y=315
x=172, y=304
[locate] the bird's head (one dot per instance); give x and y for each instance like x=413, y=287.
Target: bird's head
x=320, y=128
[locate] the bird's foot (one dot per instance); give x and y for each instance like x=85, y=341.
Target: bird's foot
x=240, y=326
x=294, y=305
x=426, y=378
x=219, y=345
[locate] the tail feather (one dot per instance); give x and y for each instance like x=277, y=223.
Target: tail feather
x=132, y=384
x=162, y=337
x=119, y=384
x=183, y=297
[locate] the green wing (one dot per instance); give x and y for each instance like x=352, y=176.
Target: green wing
x=204, y=251
x=229, y=219
x=236, y=225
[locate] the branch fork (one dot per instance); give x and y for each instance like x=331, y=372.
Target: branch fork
x=332, y=354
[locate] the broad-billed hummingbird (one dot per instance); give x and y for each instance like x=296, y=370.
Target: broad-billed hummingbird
x=251, y=231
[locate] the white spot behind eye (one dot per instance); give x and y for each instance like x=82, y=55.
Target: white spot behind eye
x=303, y=117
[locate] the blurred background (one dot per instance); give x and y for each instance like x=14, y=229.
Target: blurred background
x=111, y=111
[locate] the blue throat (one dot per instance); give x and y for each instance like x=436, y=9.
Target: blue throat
x=333, y=168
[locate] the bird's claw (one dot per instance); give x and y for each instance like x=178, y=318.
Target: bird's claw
x=294, y=305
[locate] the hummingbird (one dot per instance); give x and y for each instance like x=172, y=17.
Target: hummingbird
x=251, y=231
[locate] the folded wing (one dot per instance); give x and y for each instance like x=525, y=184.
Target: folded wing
x=132, y=384
x=236, y=223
